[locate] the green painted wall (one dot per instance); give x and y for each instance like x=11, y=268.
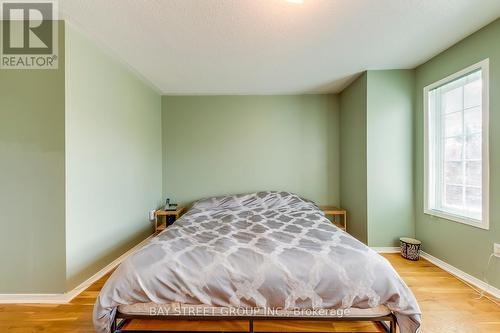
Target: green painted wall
x=462, y=246
x=32, y=244
x=113, y=158
x=231, y=144
x=390, y=156
x=376, y=156
x=353, y=180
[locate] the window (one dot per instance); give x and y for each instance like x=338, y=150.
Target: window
x=456, y=147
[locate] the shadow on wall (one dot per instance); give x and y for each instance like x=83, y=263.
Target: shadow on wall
x=96, y=264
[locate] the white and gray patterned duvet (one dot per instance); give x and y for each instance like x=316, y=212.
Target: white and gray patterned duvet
x=266, y=250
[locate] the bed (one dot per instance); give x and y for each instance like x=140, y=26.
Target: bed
x=265, y=255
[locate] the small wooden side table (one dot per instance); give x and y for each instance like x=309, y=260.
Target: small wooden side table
x=335, y=211
x=176, y=213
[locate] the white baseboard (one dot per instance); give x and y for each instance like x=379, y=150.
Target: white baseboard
x=33, y=299
x=394, y=249
x=450, y=269
x=68, y=296
x=462, y=275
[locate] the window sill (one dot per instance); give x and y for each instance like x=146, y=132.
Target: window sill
x=481, y=224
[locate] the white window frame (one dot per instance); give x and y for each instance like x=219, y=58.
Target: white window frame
x=484, y=222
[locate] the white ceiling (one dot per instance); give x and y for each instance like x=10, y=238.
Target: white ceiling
x=272, y=46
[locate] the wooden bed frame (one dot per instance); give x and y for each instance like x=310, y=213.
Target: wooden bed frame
x=387, y=323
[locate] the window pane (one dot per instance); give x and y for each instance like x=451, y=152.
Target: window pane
x=473, y=199
x=474, y=76
x=453, y=149
x=472, y=94
x=454, y=195
x=473, y=173
x=452, y=100
x=453, y=172
x=473, y=120
x=453, y=124
x=473, y=147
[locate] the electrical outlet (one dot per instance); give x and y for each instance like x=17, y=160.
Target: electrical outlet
x=496, y=249
x=152, y=215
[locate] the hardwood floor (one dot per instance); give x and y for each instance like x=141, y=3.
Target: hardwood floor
x=448, y=306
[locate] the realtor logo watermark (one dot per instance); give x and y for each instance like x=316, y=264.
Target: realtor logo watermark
x=29, y=34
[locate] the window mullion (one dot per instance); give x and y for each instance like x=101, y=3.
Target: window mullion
x=439, y=139
x=464, y=173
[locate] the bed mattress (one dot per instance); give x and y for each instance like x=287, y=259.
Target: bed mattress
x=203, y=310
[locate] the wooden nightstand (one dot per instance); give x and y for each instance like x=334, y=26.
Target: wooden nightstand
x=176, y=213
x=335, y=211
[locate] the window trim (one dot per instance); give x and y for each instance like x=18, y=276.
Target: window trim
x=484, y=222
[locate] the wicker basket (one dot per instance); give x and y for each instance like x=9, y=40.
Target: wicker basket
x=410, y=248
